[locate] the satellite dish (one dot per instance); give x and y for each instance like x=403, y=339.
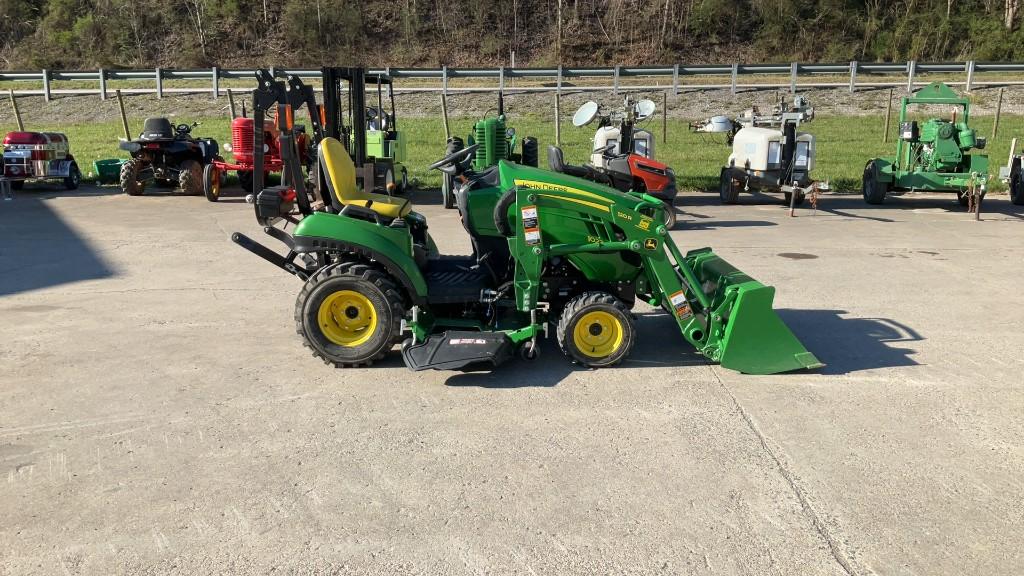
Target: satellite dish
x=585, y=115
x=644, y=110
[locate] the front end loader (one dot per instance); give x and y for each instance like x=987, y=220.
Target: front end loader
x=551, y=252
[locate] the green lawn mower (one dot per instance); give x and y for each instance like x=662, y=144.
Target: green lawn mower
x=550, y=252
x=932, y=156
x=496, y=142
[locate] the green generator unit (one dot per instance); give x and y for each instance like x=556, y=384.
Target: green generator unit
x=932, y=156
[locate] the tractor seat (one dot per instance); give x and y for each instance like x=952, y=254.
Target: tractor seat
x=556, y=161
x=340, y=175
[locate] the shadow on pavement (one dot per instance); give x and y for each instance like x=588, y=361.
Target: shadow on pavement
x=837, y=204
x=659, y=345
x=852, y=344
x=38, y=249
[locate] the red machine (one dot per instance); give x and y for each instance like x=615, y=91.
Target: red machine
x=241, y=147
x=39, y=156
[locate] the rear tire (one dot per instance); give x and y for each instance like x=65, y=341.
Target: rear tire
x=349, y=314
x=1016, y=183
x=873, y=190
x=211, y=182
x=728, y=191
x=130, y=184
x=74, y=177
x=596, y=330
x=190, y=178
x=448, y=191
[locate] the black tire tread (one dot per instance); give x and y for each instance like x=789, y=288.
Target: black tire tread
x=356, y=270
x=586, y=300
x=190, y=178
x=129, y=178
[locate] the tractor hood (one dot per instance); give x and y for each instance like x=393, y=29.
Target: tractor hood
x=528, y=177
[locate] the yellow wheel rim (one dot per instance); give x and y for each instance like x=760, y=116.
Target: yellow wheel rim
x=215, y=185
x=347, y=318
x=597, y=334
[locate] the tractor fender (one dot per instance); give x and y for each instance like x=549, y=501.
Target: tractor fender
x=501, y=213
x=884, y=166
x=413, y=283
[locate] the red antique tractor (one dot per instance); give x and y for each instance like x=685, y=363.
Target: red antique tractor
x=241, y=147
x=39, y=156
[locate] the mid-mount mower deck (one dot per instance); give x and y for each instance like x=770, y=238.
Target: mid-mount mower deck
x=550, y=252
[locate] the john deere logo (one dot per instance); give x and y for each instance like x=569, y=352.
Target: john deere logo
x=651, y=244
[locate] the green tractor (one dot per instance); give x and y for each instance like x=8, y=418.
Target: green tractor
x=497, y=142
x=550, y=252
x=932, y=156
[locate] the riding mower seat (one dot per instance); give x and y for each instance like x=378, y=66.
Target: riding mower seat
x=556, y=161
x=340, y=176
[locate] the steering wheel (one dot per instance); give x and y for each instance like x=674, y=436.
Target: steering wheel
x=183, y=128
x=452, y=163
x=604, y=150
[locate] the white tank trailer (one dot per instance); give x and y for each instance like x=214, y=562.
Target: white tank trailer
x=768, y=153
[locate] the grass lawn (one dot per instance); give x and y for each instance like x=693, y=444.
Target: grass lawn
x=844, y=144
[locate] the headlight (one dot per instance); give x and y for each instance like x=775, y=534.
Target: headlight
x=227, y=147
x=510, y=132
x=266, y=148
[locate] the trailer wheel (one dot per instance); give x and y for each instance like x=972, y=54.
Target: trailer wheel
x=349, y=314
x=596, y=330
x=211, y=182
x=1016, y=183
x=130, y=183
x=74, y=177
x=788, y=196
x=728, y=191
x=873, y=190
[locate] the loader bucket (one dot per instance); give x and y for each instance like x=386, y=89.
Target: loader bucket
x=750, y=338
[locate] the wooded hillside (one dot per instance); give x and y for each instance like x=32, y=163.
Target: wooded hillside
x=136, y=33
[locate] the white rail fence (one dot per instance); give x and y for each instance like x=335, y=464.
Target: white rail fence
x=676, y=78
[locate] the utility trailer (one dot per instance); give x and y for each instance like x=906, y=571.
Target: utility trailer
x=39, y=156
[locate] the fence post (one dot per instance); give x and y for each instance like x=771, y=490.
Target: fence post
x=501, y=79
x=888, y=117
x=793, y=68
x=911, y=69
x=159, y=83
x=215, y=75
x=444, y=80
x=999, y=112
x=675, y=79
x=558, y=105
x=735, y=73
x=21, y=125
x=103, y=84
x=664, y=117
x=46, y=84
x=853, y=76
x=970, y=76
x=615, y=79
x=231, y=103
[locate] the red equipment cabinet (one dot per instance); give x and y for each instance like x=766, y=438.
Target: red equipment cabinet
x=39, y=156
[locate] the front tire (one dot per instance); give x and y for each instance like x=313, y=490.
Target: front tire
x=211, y=182
x=130, y=183
x=874, y=191
x=190, y=178
x=596, y=330
x=349, y=314
x=448, y=191
x=728, y=190
x=670, y=216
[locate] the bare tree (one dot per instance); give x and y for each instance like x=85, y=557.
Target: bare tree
x=1010, y=13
